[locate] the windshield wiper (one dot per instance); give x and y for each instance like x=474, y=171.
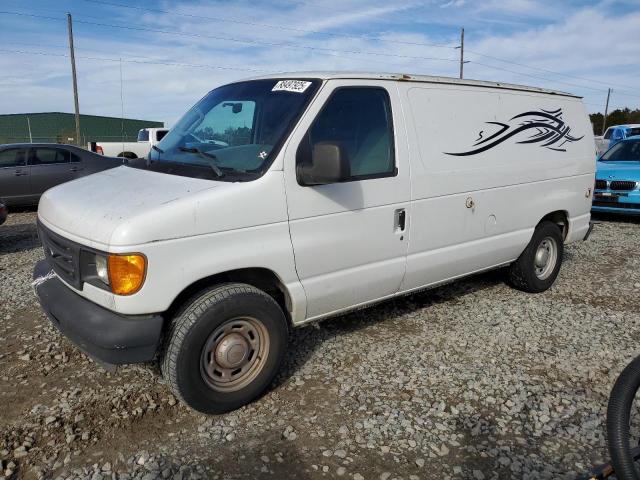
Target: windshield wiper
x=210, y=157
x=157, y=149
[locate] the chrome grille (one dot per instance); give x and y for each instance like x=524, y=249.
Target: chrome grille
x=622, y=185
x=601, y=184
x=63, y=255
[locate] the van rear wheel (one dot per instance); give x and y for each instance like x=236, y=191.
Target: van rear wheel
x=537, y=267
x=224, y=348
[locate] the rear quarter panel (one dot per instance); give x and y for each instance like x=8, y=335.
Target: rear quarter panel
x=513, y=184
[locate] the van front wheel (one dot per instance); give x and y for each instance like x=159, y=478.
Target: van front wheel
x=224, y=348
x=537, y=267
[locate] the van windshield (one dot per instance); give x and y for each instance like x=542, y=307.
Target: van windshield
x=234, y=132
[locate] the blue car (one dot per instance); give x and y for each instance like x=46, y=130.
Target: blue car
x=617, y=188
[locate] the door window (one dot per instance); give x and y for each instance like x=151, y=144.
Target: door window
x=161, y=134
x=359, y=120
x=48, y=156
x=14, y=157
x=607, y=134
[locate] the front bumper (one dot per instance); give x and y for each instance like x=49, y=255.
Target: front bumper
x=106, y=336
x=619, y=208
x=626, y=202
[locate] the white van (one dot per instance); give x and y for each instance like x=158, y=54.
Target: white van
x=283, y=200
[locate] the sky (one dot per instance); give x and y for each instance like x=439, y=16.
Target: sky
x=154, y=59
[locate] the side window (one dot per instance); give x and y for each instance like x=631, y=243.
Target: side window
x=617, y=134
x=161, y=134
x=359, y=120
x=143, y=135
x=48, y=156
x=607, y=134
x=13, y=157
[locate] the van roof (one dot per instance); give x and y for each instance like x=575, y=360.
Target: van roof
x=412, y=78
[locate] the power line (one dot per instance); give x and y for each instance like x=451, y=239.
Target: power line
x=171, y=64
x=618, y=93
x=259, y=43
x=548, y=71
x=129, y=60
x=325, y=51
x=409, y=6
x=44, y=45
x=160, y=59
x=266, y=25
x=537, y=76
x=365, y=37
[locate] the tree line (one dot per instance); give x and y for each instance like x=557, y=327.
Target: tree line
x=616, y=117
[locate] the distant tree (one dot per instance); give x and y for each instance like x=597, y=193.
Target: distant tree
x=616, y=117
x=231, y=136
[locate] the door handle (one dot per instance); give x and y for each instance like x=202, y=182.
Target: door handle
x=20, y=173
x=400, y=220
x=74, y=169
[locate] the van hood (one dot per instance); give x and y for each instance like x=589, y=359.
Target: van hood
x=104, y=207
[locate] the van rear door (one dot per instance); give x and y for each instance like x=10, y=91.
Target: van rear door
x=350, y=238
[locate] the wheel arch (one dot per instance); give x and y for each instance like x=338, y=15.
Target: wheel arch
x=560, y=218
x=127, y=154
x=262, y=278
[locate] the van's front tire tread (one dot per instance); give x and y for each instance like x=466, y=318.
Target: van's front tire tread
x=186, y=319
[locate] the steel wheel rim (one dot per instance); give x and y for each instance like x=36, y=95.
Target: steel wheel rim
x=234, y=354
x=545, y=258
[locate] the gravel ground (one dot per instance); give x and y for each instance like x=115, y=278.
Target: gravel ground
x=472, y=380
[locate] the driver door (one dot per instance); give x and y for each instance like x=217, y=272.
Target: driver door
x=350, y=238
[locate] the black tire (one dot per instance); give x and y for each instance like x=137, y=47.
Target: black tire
x=129, y=155
x=618, y=421
x=523, y=272
x=191, y=331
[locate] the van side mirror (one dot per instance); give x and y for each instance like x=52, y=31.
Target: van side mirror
x=328, y=164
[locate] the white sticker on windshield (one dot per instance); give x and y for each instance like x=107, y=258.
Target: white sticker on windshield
x=296, y=86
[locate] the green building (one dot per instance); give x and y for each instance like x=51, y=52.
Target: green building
x=57, y=127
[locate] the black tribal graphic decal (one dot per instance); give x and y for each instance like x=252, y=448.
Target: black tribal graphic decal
x=543, y=126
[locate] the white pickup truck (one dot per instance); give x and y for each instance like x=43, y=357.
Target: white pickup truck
x=614, y=134
x=147, y=138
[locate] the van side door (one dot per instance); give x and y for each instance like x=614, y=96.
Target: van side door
x=350, y=238
x=14, y=176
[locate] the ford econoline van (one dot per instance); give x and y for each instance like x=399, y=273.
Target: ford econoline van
x=287, y=199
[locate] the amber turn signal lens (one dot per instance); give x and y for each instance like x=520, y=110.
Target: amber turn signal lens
x=126, y=273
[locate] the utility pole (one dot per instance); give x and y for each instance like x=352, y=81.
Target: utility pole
x=461, y=47
x=461, y=53
x=606, y=111
x=75, y=80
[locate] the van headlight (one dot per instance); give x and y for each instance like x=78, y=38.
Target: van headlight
x=102, y=271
